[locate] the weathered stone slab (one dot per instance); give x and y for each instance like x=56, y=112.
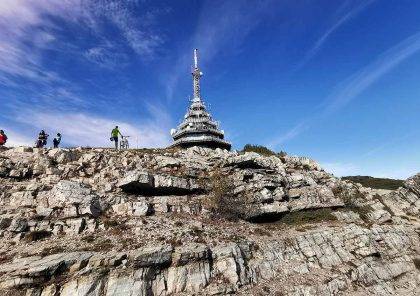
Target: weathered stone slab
x=144, y=183
x=152, y=256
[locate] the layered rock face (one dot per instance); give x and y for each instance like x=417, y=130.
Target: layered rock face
x=199, y=222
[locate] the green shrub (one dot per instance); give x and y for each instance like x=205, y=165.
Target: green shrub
x=110, y=223
x=416, y=262
x=37, y=235
x=353, y=198
x=258, y=149
x=221, y=199
x=376, y=183
x=308, y=216
x=51, y=250
x=90, y=238
x=282, y=154
x=363, y=212
x=104, y=245
x=349, y=196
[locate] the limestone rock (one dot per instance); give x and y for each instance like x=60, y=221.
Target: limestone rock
x=139, y=222
x=144, y=183
x=413, y=184
x=139, y=208
x=159, y=256
x=74, y=198
x=19, y=225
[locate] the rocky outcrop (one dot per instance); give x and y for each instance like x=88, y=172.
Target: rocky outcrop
x=144, y=183
x=143, y=222
x=68, y=199
x=352, y=257
x=405, y=200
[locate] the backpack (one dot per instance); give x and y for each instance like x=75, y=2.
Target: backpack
x=3, y=139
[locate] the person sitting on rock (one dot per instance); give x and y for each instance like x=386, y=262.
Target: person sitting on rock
x=114, y=136
x=42, y=139
x=57, y=140
x=3, y=138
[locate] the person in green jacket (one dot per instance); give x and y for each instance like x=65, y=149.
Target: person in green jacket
x=114, y=136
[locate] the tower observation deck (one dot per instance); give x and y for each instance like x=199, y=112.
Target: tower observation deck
x=198, y=127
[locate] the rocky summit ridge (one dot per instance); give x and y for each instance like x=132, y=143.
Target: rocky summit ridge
x=199, y=222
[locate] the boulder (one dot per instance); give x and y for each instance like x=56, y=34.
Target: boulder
x=19, y=225
x=159, y=256
x=144, y=183
x=36, y=268
x=413, y=184
x=22, y=199
x=252, y=160
x=5, y=222
x=74, y=198
x=137, y=208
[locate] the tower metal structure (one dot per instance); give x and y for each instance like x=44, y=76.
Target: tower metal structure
x=198, y=127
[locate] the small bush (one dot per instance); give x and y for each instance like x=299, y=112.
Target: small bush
x=88, y=238
x=282, y=154
x=306, y=167
x=386, y=207
x=37, y=235
x=363, y=212
x=262, y=232
x=4, y=257
x=178, y=223
x=174, y=242
x=221, y=199
x=349, y=196
x=308, y=216
x=109, y=223
x=416, y=262
x=376, y=183
x=104, y=245
x=195, y=231
x=115, y=226
x=51, y=250
x=126, y=243
x=258, y=149
x=352, y=198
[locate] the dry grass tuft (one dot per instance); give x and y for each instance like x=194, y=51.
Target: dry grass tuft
x=222, y=201
x=37, y=235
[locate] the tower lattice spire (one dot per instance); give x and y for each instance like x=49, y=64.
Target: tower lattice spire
x=196, y=73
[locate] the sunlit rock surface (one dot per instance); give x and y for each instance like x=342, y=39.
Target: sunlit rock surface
x=140, y=222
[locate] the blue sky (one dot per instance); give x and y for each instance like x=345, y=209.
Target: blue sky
x=337, y=81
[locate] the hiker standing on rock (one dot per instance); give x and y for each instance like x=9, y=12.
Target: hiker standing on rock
x=3, y=138
x=114, y=136
x=57, y=140
x=42, y=139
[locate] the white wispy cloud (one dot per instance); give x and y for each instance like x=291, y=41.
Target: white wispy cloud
x=363, y=79
x=83, y=129
x=293, y=132
x=31, y=30
x=16, y=139
x=352, y=13
x=357, y=83
x=137, y=31
x=106, y=56
x=28, y=28
x=391, y=142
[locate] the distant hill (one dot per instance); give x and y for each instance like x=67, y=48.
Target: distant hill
x=376, y=183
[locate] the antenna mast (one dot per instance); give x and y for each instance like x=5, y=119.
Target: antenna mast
x=196, y=73
x=195, y=58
